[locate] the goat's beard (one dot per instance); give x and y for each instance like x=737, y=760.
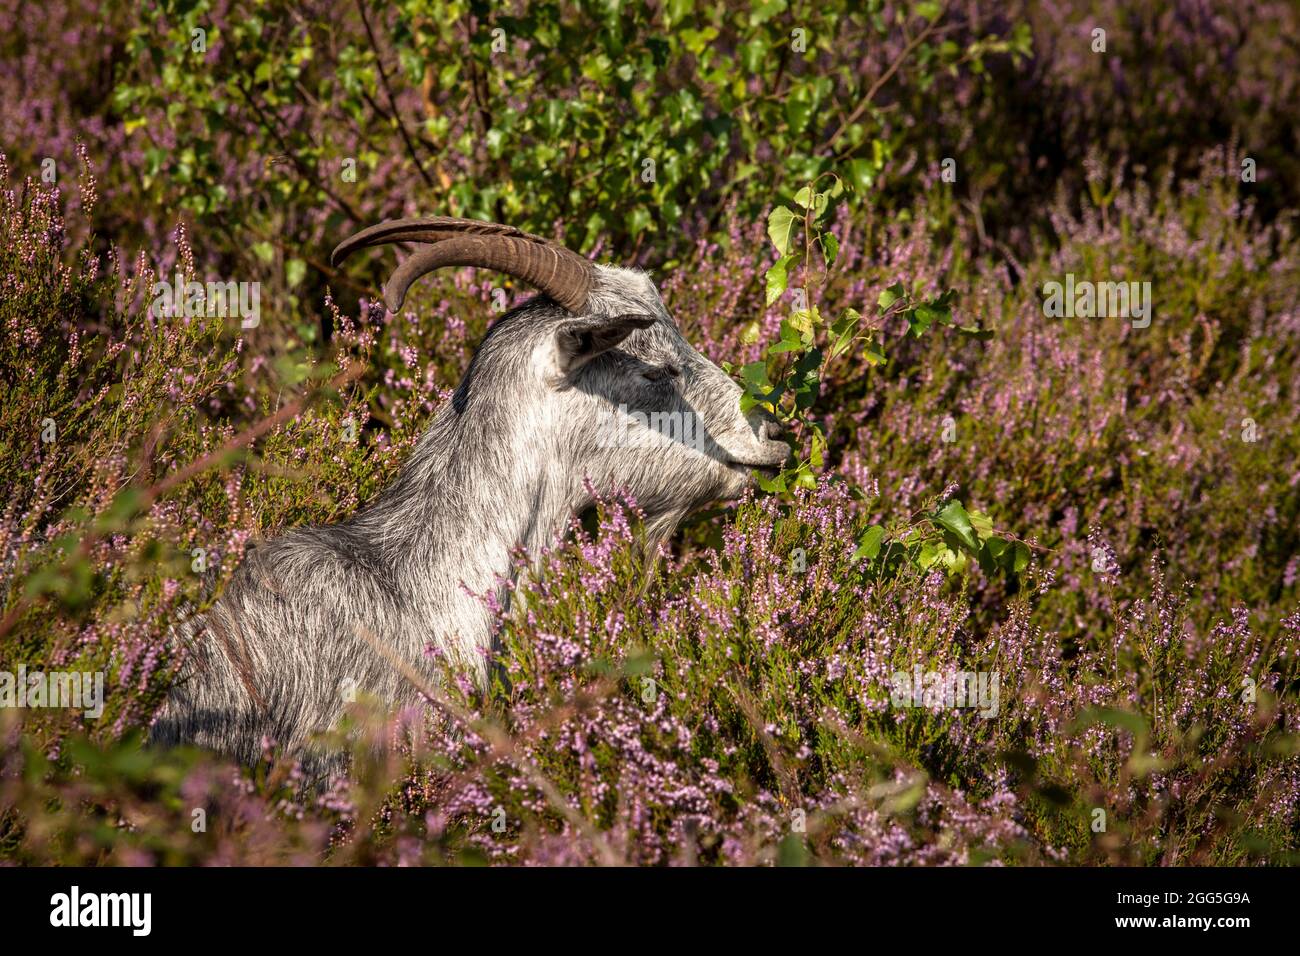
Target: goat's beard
x=657, y=532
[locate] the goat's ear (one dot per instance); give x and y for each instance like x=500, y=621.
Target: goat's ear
x=579, y=341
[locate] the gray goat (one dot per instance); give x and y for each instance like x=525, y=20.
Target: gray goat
x=554, y=402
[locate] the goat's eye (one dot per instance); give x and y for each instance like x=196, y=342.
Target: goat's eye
x=663, y=373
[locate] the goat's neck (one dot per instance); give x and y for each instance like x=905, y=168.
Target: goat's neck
x=452, y=524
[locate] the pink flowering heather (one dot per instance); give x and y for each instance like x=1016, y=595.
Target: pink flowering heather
x=825, y=675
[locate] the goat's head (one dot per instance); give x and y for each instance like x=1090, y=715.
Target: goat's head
x=594, y=372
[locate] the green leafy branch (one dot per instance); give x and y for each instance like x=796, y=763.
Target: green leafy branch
x=945, y=536
x=786, y=380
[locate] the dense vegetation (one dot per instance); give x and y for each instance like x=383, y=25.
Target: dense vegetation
x=1103, y=516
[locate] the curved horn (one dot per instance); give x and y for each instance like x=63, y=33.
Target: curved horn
x=552, y=269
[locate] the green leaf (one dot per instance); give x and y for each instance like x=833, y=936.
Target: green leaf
x=125, y=506
x=780, y=228
x=992, y=555
x=778, y=276
x=981, y=522
x=954, y=561
x=553, y=115
x=798, y=108
x=765, y=11
x=953, y=517
x=929, y=553
x=842, y=331
x=918, y=320
x=804, y=380
x=891, y=295
x=1021, y=560
x=791, y=851
x=802, y=320
x=792, y=338
x=830, y=249
x=815, y=203
x=817, y=448
x=639, y=220
x=751, y=54
x=862, y=174
x=869, y=543
x=755, y=373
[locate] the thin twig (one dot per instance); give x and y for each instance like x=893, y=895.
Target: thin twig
x=884, y=78
x=392, y=100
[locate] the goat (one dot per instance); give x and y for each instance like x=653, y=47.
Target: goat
x=519, y=449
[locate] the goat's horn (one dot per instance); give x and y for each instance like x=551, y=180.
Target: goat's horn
x=554, y=270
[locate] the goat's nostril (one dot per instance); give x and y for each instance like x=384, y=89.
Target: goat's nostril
x=771, y=429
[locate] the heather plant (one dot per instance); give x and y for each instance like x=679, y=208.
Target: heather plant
x=1028, y=596
x=108, y=414
x=1132, y=428
x=731, y=704
x=787, y=379
x=740, y=713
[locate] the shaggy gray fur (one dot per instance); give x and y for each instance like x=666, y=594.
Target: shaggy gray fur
x=502, y=467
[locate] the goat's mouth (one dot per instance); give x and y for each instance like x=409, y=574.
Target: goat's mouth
x=746, y=468
x=767, y=458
